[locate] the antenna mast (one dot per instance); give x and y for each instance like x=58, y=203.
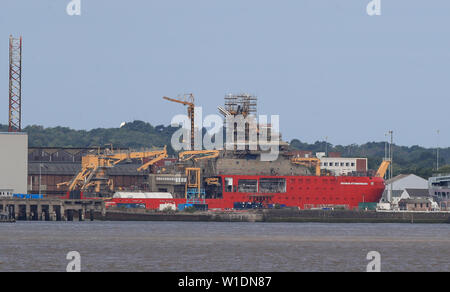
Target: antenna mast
x=15, y=84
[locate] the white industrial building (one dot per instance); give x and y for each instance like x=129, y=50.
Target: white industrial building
x=407, y=181
x=342, y=165
x=401, y=187
x=13, y=162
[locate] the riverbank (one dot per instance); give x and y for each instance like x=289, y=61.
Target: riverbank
x=282, y=215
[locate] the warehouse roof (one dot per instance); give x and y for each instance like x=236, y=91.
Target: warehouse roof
x=414, y=201
x=396, y=178
x=416, y=193
x=13, y=133
x=402, y=176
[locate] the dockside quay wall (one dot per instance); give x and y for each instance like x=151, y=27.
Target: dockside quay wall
x=283, y=215
x=139, y=215
x=345, y=216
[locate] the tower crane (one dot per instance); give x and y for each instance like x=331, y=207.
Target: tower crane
x=187, y=100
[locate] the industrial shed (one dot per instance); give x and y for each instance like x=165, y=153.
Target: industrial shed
x=13, y=162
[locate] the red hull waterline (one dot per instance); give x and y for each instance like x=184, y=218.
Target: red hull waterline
x=304, y=192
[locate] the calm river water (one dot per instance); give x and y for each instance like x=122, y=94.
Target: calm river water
x=228, y=247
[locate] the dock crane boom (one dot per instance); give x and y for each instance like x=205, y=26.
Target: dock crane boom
x=119, y=157
x=93, y=168
x=189, y=102
x=198, y=155
x=308, y=162
x=383, y=168
x=161, y=155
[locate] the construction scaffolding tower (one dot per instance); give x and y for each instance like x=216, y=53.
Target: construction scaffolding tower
x=241, y=104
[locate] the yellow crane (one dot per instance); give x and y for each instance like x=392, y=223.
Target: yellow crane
x=308, y=162
x=193, y=174
x=188, y=100
x=383, y=168
x=193, y=182
x=198, y=155
x=93, y=168
x=159, y=155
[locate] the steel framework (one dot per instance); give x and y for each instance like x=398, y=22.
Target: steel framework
x=244, y=104
x=15, y=84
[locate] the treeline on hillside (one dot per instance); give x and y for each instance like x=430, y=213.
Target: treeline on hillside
x=415, y=159
x=133, y=135
x=139, y=134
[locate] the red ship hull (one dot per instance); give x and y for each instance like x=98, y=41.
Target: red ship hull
x=304, y=192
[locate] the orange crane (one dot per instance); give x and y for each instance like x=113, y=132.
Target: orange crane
x=119, y=157
x=308, y=162
x=93, y=168
x=198, y=155
x=188, y=100
x=383, y=167
x=193, y=174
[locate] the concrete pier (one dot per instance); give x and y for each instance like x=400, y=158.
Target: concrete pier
x=282, y=215
x=51, y=209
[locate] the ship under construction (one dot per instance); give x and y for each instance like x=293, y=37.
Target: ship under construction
x=233, y=178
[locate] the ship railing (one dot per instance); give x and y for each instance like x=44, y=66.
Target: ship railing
x=194, y=192
x=196, y=201
x=369, y=173
x=326, y=206
x=441, y=175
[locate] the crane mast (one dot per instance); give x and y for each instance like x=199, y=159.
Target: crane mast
x=187, y=100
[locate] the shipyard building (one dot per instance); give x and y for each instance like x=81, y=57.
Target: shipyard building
x=13, y=163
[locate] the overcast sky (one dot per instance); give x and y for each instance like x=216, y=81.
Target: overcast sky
x=325, y=66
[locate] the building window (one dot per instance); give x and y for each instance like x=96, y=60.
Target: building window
x=228, y=184
x=272, y=185
x=248, y=186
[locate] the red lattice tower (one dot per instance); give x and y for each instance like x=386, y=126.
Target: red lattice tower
x=15, y=84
